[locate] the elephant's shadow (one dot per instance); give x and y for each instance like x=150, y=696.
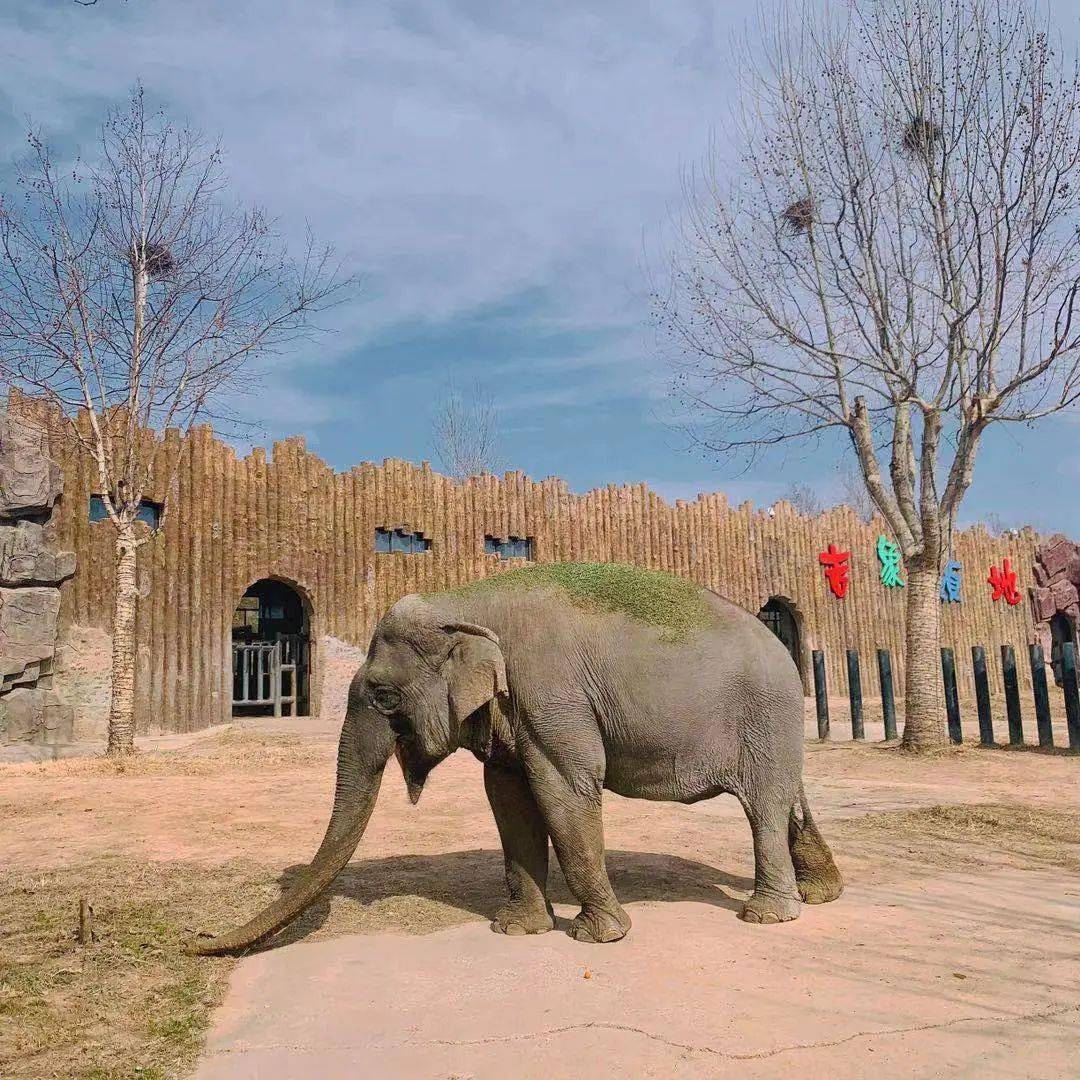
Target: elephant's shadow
x=473, y=881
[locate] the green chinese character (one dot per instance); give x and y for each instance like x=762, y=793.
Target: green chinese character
x=889, y=554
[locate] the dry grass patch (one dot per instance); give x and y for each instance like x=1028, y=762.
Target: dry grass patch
x=130, y=1004
x=966, y=835
x=249, y=750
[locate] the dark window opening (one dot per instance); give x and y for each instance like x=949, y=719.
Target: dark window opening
x=408, y=543
x=514, y=547
x=1061, y=631
x=271, y=652
x=149, y=511
x=780, y=619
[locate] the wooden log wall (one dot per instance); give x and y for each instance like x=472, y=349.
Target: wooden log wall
x=232, y=520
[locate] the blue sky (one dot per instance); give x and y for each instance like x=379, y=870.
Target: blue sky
x=504, y=176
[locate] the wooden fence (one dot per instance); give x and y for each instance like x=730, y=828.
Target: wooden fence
x=232, y=520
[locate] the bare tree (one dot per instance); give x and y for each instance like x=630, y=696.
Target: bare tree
x=896, y=259
x=804, y=499
x=465, y=432
x=854, y=494
x=131, y=298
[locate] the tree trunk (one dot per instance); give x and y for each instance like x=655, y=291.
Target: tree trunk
x=924, y=727
x=122, y=709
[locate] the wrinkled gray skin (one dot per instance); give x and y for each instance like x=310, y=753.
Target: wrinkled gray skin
x=560, y=703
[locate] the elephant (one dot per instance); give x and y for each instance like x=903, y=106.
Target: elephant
x=567, y=679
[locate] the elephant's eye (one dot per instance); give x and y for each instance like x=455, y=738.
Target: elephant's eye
x=385, y=698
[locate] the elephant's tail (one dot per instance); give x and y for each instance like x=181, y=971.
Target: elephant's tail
x=804, y=806
x=818, y=879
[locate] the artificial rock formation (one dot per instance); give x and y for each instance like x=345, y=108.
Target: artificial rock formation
x=30, y=574
x=27, y=557
x=1057, y=587
x=30, y=481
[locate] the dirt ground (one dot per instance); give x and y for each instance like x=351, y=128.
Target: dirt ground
x=962, y=909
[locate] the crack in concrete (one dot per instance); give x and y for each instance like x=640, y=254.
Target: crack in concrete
x=605, y=1025
x=697, y=1049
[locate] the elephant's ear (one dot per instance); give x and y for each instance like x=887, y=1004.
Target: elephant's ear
x=474, y=669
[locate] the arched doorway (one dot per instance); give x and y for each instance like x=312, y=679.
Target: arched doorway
x=271, y=645
x=1061, y=631
x=779, y=616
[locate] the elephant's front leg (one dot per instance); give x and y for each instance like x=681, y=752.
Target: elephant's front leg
x=576, y=825
x=525, y=851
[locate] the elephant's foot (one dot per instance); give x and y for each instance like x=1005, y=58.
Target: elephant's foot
x=520, y=918
x=765, y=907
x=595, y=925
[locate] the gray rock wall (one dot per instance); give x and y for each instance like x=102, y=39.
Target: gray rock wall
x=27, y=556
x=31, y=570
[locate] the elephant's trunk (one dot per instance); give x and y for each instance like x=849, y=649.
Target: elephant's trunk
x=362, y=752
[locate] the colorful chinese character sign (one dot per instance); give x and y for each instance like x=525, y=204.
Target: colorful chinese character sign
x=836, y=569
x=889, y=554
x=950, y=583
x=1004, y=583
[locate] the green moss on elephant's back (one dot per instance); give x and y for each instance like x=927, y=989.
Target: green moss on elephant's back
x=671, y=603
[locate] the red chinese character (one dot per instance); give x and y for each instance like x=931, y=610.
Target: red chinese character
x=1004, y=582
x=836, y=569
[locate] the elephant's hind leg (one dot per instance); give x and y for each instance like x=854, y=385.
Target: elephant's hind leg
x=775, y=897
x=816, y=874
x=525, y=852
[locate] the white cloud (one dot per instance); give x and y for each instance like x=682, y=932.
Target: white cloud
x=462, y=153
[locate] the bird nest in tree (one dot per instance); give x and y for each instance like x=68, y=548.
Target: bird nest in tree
x=799, y=216
x=157, y=259
x=920, y=135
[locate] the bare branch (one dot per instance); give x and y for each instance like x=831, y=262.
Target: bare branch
x=897, y=254
x=132, y=295
x=804, y=499
x=854, y=494
x=465, y=432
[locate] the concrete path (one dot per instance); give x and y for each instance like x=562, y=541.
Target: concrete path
x=956, y=975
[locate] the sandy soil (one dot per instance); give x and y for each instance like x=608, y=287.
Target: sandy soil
x=957, y=923
x=260, y=791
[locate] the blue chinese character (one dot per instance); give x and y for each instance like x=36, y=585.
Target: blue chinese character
x=950, y=582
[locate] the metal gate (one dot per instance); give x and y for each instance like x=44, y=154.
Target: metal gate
x=269, y=674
